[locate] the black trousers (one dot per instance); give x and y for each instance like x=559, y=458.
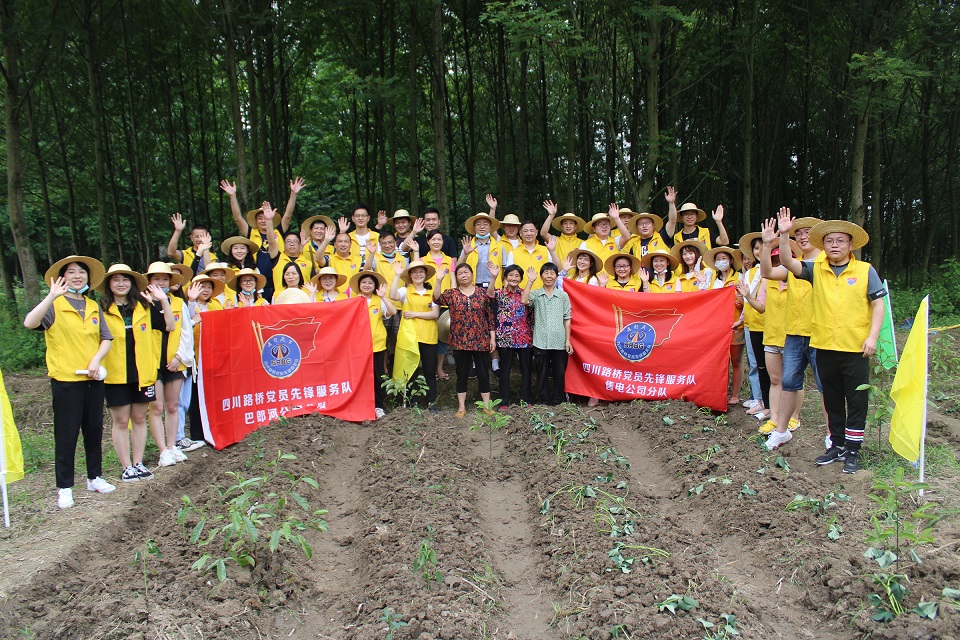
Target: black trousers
x=464, y=360
x=756, y=341
x=552, y=361
x=196, y=426
x=379, y=395
x=507, y=355
x=77, y=408
x=428, y=367
x=841, y=372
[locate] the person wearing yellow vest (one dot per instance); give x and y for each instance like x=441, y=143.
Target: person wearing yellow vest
x=279, y=261
x=657, y=272
x=689, y=215
x=383, y=264
x=316, y=238
x=581, y=265
x=754, y=287
x=797, y=352
x=131, y=361
x=725, y=263
x=205, y=293
x=847, y=315
x=438, y=259
x=480, y=247
x=174, y=350
x=245, y=284
x=691, y=276
x=529, y=253
x=372, y=287
x=346, y=261
x=326, y=285
x=254, y=226
x=511, y=231
x=198, y=254
x=77, y=340
x=238, y=253
x=569, y=225
x=649, y=237
x=419, y=308
x=601, y=242
x=621, y=272
x=362, y=236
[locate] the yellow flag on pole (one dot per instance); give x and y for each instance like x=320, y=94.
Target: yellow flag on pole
x=909, y=390
x=406, y=358
x=11, y=455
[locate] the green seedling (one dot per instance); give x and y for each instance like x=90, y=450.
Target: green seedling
x=834, y=530
x=818, y=506
x=489, y=418
x=425, y=564
x=746, y=491
x=782, y=463
x=149, y=548
x=625, y=563
x=888, y=605
x=726, y=629
x=926, y=609
x=406, y=391
x=952, y=596
x=612, y=455
x=698, y=489
x=674, y=602
x=394, y=622
x=706, y=455
x=620, y=631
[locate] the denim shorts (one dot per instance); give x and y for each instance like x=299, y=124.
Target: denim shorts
x=797, y=354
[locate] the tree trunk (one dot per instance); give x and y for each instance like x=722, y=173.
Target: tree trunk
x=42, y=176
x=414, y=203
x=67, y=175
x=520, y=151
x=235, y=112
x=438, y=78
x=858, y=212
x=745, y=216
x=876, y=215
x=652, y=100
x=98, y=133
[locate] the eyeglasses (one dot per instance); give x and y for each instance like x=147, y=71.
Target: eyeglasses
x=835, y=242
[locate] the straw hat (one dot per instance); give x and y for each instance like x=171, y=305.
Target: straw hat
x=164, y=268
x=494, y=223
x=216, y=266
x=860, y=237
x=122, y=270
x=291, y=296
x=233, y=280
x=252, y=217
x=94, y=267
x=805, y=223
x=746, y=243
x=696, y=244
x=634, y=224
x=687, y=207
x=511, y=218
x=405, y=274
x=795, y=249
x=627, y=214
x=597, y=217
x=217, y=284
x=328, y=271
x=185, y=272
x=401, y=213
x=306, y=224
x=647, y=260
x=443, y=326
x=227, y=244
x=355, y=280
x=575, y=253
x=634, y=262
x=735, y=255
x=558, y=222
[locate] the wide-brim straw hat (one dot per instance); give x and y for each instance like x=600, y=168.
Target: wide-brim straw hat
x=627, y=214
x=291, y=296
x=121, y=269
x=95, y=269
x=647, y=260
x=687, y=207
x=860, y=237
x=216, y=266
x=186, y=273
x=401, y=213
x=164, y=268
x=575, y=253
x=634, y=224
x=328, y=271
x=227, y=244
x=405, y=274
x=306, y=224
x=696, y=244
x=443, y=326
x=710, y=257
x=233, y=281
x=558, y=222
x=218, y=286
x=746, y=243
x=805, y=223
x=634, y=263
x=469, y=224
x=510, y=218
x=252, y=217
x=598, y=217
x=355, y=280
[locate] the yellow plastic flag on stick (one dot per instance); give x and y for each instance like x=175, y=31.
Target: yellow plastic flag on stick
x=407, y=355
x=909, y=422
x=11, y=455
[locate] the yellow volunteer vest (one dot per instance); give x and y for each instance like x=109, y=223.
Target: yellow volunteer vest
x=310, y=250
x=523, y=258
x=668, y=286
x=703, y=235
x=731, y=280
x=633, y=284
x=686, y=283
x=384, y=267
x=72, y=340
x=233, y=301
x=498, y=251
x=337, y=298
x=446, y=261
x=565, y=244
x=116, y=359
x=305, y=267
x=841, y=310
x=173, y=338
x=421, y=303
x=656, y=244
x=349, y=267
x=774, y=321
x=187, y=256
x=800, y=303
x=258, y=237
x=603, y=248
x=374, y=307
x=753, y=319
x=374, y=238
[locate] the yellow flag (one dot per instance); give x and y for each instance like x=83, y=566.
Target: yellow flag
x=909, y=390
x=11, y=455
x=407, y=355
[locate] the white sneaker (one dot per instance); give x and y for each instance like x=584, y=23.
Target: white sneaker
x=168, y=458
x=380, y=413
x=65, y=498
x=777, y=439
x=179, y=455
x=748, y=403
x=100, y=485
x=186, y=444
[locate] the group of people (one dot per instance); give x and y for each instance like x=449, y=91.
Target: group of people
x=493, y=300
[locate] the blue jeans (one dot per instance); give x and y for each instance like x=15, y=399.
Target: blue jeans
x=754, y=375
x=183, y=405
x=797, y=354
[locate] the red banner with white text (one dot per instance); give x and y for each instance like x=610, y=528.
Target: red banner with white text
x=653, y=346
x=260, y=363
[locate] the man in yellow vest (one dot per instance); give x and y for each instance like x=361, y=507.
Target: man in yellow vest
x=291, y=252
x=569, y=225
x=198, y=255
x=689, y=215
x=847, y=315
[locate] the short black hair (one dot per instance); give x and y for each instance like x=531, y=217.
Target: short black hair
x=291, y=232
x=549, y=267
x=359, y=206
x=431, y=210
x=510, y=269
x=386, y=234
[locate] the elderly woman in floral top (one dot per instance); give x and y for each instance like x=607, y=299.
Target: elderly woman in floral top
x=514, y=332
x=472, y=336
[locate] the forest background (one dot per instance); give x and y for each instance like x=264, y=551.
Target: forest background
x=119, y=113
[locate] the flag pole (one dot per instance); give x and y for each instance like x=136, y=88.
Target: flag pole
x=3, y=470
x=923, y=424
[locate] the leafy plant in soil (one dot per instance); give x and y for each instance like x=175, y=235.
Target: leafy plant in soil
x=818, y=506
x=235, y=521
x=489, y=418
x=405, y=391
x=674, y=602
x=425, y=564
x=724, y=630
x=149, y=548
x=393, y=621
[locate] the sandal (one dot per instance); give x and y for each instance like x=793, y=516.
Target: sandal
x=733, y=400
x=461, y=413
x=443, y=375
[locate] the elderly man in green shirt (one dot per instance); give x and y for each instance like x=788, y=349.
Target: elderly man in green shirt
x=551, y=331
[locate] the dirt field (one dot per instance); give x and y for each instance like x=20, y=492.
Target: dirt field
x=581, y=524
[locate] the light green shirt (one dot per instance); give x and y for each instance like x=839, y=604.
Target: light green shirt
x=549, y=313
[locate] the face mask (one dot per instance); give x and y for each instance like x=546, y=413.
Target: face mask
x=165, y=289
x=388, y=256
x=81, y=290
x=483, y=237
x=722, y=265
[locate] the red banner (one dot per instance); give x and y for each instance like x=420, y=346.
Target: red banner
x=260, y=363
x=654, y=346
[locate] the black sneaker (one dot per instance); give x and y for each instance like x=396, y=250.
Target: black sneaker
x=130, y=474
x=832, y=455
x=143, y=471
x=851, y=463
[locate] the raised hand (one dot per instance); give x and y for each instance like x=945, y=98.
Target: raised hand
x=699, y=273
x=330, y=234
x=551, y=243
x=768, y=230
x=381, y=218
x=467, y=243
x=441, y=274
x=531, y=274
x=418, y=226
x=491, y=201
x=398, y=267
x=58, y=287
x=303, y=237
x=644, y=275
x=343, y=224
x=784, y=221
x=229, y=187
x=493, y=268
x=718, y=213
x=382, y=291
x=193, y=291
x=268, y=211
x=568, y=263
x=370, y=247
x=670, y=196
x=603, y=278
x=613, y=210
x=550, y=207
x=179, y=224
x=296, y=184
x=311, y=288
